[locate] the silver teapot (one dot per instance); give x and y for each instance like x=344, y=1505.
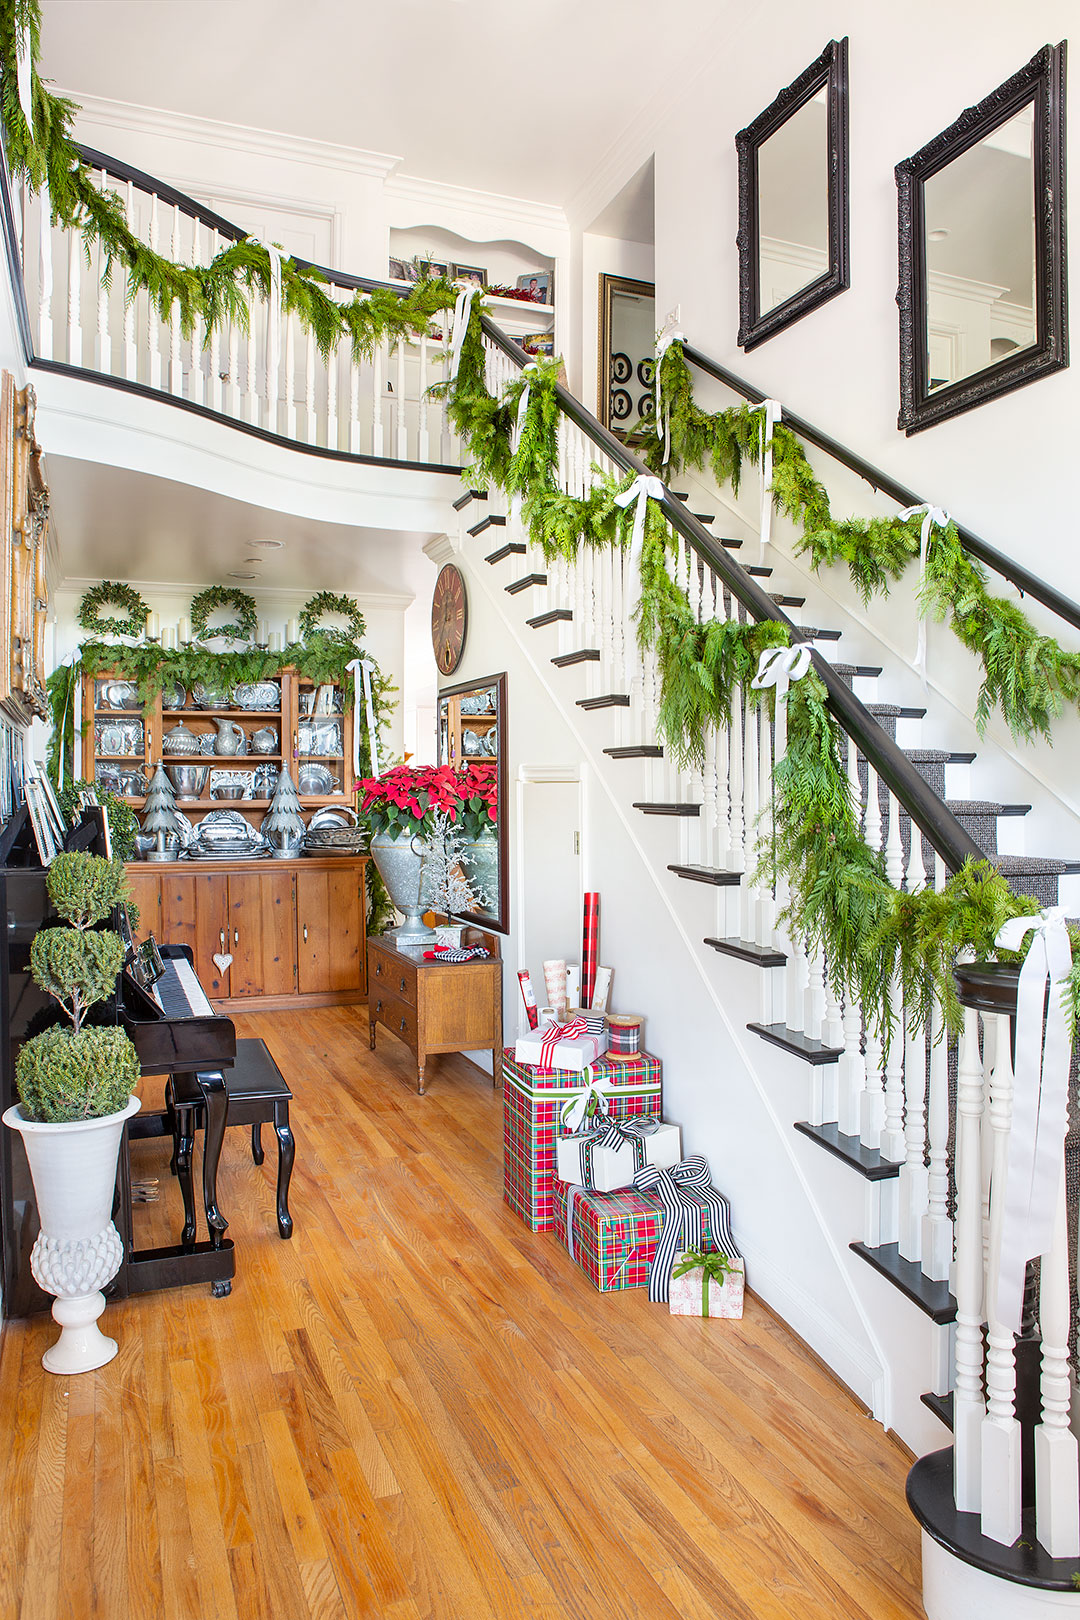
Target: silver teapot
x=264, y=741
x=178, y=740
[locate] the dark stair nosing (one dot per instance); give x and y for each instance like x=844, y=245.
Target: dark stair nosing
x=868, y=670
x=759, y=570
x=705, y=517
x=512, y=548
x=611, y=700
x=492, y=521
x=731, y=545
x=895, y=712
x=806, y=633
x=716, y=875
x=798, y=1044
x=940, y=1405
x=584, y=655
x=1021, y=865
x=469, y=495
x=867, y=1161
x=745, y=950
x=787, y=601
x=516, y=585
x=655, y=807
x=636, y=751
x=552, y=616
x=932, y=1297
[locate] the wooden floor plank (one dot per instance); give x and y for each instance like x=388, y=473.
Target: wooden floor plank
x=416, y=1409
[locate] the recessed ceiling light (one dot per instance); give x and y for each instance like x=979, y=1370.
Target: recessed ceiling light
x=269, y=545
x=253, y=559
x=243, y=576
x=938, y=235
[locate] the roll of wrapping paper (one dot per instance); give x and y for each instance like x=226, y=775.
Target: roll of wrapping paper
x=590, y=946
x=625, y=1033
x=528, y=997
x=555, y=981
x=573, y=984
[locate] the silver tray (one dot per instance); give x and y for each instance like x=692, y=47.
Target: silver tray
x=173, y=696
x=257, y=695
x=120, y=695
x=245, y=852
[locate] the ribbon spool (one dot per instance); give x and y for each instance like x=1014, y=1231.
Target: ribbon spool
x=625, y=1034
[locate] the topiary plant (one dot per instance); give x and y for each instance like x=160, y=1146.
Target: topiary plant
x=78, y=1073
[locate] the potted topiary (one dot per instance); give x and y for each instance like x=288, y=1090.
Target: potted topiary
x=75, y=1083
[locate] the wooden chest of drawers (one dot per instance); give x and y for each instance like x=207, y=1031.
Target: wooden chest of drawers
x=436, y=1006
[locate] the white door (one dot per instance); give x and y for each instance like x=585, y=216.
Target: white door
x=549, y=883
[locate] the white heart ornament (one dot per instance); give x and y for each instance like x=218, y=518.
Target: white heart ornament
x=222, y=962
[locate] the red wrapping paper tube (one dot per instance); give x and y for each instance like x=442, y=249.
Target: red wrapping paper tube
x=590, y=947
x=528, y=998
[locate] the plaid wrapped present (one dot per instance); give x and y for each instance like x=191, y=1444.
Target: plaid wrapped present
x=615, y=1234
x=532, y=1101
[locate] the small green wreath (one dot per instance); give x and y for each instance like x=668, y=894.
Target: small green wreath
x=219, y=596
x=111, y=594
x=327, y=602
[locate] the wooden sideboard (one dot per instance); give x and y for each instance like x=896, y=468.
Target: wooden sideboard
x=437, y=1006
x=292, y=930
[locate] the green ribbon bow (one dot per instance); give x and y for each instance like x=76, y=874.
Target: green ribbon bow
x=716, y=1266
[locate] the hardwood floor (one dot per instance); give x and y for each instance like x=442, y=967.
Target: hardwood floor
x=415, y=1407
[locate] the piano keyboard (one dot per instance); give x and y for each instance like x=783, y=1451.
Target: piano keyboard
x=178, y=992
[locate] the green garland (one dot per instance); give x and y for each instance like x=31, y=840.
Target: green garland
x=326, y=602
x=110, y=593
x=215, y=294
x=1028, y=677
x=220, y=596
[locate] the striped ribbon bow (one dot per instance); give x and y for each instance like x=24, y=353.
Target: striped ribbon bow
x=614, y=1133
x=554, y=1033
x=684, y=1216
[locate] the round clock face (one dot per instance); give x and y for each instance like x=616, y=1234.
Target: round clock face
x=449, y=616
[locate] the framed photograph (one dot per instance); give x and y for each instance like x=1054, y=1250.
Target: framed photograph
x=430, y=268
x=402, y=270
x=39, y=818
x=538, y=285
x=538, y=343
x=468, y=275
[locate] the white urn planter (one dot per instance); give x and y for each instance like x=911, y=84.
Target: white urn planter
x=78, y=1249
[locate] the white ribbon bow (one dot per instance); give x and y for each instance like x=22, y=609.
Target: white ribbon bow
x=772, y=411
x=576, y=1110
x=1040, y=1107
x=462, y=312
x=362, y=670
x=933, y=516
x=25, y=50
x=668, y=334
x=523, y=400
x=779, y=666
x=644, y=488
x=273, y=315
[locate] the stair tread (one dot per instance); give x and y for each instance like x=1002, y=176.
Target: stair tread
x=469, y=495
x=857, y=669
x=523, y=584
x=748, y=950
x=584, y=655
x=717, y=875
x=661, y=807
x=636, y=751
x=894, y=711
x=811, y=633
x=867, y=1161
x=491, y=521
x=940, y=1405
x=985, y=807
x=795, y=1042
x=552, y=616
x=758, y=570
x=611, y=700
x=512, y=548
x=1033, y=863
x=932, y=1297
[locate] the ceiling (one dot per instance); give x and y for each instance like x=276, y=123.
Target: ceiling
x=519, y=100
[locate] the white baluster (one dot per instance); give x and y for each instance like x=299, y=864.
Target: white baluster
x=252, y=361
x=1057, y=1516
x=937, y=1237
x=401, y=442
x=873, y=1098
x=45, y=277
x=235, y=394
x=216, y=391
x=176, y=370
x=914, y=1177
x=377, y=401
x=748, y=911
x=152, y=333
x=354, y=408
x=766, y=908
x=968, y=1407
x=332, y=396
x=198, y=332
x=103, y=356
x=893, y=1145
x=289, y=323
x=423, y=437
x=75, y=355
x=311, y=418
x=1000, y=1441
x=131, y=353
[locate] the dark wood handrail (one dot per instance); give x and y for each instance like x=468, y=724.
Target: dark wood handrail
x=1027, y=583
x=941, y=827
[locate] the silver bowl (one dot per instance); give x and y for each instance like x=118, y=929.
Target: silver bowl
x=188, y=780
x=228, y=790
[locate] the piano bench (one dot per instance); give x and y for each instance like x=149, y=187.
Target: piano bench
x=257, y=1095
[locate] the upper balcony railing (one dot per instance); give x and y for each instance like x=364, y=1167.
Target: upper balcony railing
x=79, y=320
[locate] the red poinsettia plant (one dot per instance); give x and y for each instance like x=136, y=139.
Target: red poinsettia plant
x=405, y=799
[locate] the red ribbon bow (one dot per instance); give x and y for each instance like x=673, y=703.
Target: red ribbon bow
x=554, y=1033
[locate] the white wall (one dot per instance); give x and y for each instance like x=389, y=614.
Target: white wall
x=603, y=255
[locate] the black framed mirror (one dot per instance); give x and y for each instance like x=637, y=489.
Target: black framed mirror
x=472, y=731
x=793, y=200
x=624, y=361
x=981, y=211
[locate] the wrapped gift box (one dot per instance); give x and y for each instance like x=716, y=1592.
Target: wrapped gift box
x=574, y=1055
x=613, y=1167
x=725, y=1299
x=532, y=1102
x=615, y=1234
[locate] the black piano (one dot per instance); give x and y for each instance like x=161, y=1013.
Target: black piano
x=175, y=1032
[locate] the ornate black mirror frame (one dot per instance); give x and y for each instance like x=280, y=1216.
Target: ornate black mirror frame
x=1043, y=82
x=831, y=72
x=642, y=385
x=498, y=919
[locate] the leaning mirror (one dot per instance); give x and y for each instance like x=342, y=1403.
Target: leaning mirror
x=793, y=200
x=982, y=249
x=627, y=339
x=472, y=731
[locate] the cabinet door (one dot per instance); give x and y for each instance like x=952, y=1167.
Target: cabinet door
x=329, y=929
x=262, y=933
x=144, y=887
x=194, y=911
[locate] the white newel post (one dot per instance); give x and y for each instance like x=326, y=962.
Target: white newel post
x=1057, y=1482
x=1000, y=1442
x=968, y=1406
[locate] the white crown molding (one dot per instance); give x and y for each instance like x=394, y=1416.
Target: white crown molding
x=440, y=549
x=412, y=202
x=213, y=132
x=391, y=601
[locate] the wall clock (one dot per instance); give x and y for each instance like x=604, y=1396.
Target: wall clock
x=449, y=619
